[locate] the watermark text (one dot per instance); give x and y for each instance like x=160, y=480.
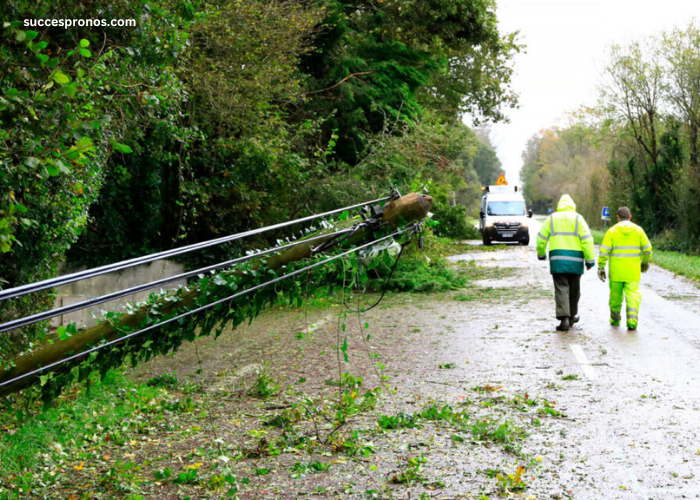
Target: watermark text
x=69, y=23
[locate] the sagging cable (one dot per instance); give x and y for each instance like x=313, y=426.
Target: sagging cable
x=195, y=311
x=97, y=271
x=415, y=229
x=42, y=316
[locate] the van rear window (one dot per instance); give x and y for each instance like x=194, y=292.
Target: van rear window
x=506, y=208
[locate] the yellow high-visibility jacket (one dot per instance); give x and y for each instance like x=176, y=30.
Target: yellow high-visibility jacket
x=570, y=240
x=627, y=246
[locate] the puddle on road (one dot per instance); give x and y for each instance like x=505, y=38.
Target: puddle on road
x=495, y=256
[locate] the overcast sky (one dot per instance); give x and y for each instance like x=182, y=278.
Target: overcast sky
x=565, y=55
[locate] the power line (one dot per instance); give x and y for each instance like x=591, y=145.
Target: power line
x=97, y=271
x=203, y=308
x=35, y=318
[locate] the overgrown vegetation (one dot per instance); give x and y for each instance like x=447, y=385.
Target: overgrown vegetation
x=454, y=222
x=70, y=100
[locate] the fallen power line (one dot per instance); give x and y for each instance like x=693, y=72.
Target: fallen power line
x=73, y=357
x=97, y=271
x=35, y=318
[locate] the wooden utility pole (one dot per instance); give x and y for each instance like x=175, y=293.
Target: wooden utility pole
x=396, y=213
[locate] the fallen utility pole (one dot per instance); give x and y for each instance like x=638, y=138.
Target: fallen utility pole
x=398, y=212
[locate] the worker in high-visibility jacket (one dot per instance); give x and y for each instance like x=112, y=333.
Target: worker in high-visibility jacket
x=570, y=249
x=629, y=250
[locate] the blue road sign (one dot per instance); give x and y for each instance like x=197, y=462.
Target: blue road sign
x=606, y=212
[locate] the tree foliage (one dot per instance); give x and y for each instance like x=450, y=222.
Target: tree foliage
x=379, y=63
x=568, y=160
x=486, y=163
x=650, y=99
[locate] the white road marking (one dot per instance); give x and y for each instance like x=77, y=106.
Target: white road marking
x=580, y=356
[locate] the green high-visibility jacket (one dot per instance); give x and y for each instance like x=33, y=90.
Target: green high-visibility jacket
x=627, y=246
x=570, y=241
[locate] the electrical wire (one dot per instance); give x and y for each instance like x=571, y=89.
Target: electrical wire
x=386, y=283
x=414, y=230
x=35, y=318
x=108, y=268
x=199, y=309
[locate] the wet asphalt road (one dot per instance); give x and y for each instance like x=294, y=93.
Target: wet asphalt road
x=631, y=399
x=634, y=412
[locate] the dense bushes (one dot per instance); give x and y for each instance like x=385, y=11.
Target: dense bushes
x=454, y=223
x=69, y=101
x=414, y=274
x=420, y=269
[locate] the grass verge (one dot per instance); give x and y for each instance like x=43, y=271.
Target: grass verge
x=45, y=449
x=684, y=265
x=597, y=236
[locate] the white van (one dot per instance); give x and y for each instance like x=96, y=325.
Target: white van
x=503, y=216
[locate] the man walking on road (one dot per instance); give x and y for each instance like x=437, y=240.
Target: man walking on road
x=629, y=250
x=570, y=248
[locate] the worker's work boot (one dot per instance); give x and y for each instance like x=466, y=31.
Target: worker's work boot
x=615, y=318
x=564, y=325
x=575, y=319
x=631, y=326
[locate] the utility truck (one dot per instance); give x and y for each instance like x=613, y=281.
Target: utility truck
x=503, y=216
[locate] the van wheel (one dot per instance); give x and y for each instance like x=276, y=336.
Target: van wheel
x=525, y=242
x=486, y=240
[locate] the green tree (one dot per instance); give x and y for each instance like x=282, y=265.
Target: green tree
x=632, y=96
x=570, y=160
x=234, y=158
x=680, y=49
x=487, y=165
x=380, y=63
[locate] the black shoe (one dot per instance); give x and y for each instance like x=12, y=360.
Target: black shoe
x=575, y=319
x=564, y=325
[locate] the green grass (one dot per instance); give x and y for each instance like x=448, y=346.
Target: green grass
x=77, y=420
x=684, y=265
x=597, y=236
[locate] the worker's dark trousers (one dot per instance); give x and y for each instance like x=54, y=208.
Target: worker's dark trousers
x=567, y=291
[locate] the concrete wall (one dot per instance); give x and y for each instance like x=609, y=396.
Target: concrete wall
x=113, y=282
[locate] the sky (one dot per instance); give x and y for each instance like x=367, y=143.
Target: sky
x=567, y=43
